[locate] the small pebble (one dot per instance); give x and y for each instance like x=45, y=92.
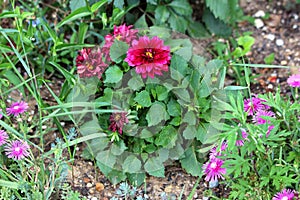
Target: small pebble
x=270, y=86
x=99, y=187
x=283, y=62
x=270, y=37
x=258, y=23
x=94, y=198
x=259, y=13
x=89, y=185
x=295, y=26
x=279, y=42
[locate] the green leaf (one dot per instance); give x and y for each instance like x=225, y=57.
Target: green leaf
x=224, y=9
x=161, y=14
x=174, y=108
x=136, y=179
x=106, y=158
x=181, y=7
x=75, y=4
x=154, y=167
x=269, y=59
x=216, y=26
x=113, y=74
x=143, y=99
x=141, y=22
x=197, y=30
x=161, y=32
x=118, y=50
x=156, y=114
x=82, y=32
x=161, y=92
x=136, y=82
x=177, y=23
x=118, y=148
x=98, y=5
x=15, y=80
x=167, y=137
x=131, y=164
x=62, y=47
x=79, y=13
x=8, y=14
x=178, y=67
x=183, y=94
x=189, y=118
x=119, y=4
x=189, y=132
x=190, y=162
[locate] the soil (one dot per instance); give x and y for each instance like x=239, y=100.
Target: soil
x=279, y=34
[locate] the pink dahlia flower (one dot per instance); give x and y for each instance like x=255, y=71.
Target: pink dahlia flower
x=17, y=150
x=285, y=194
x=261, y=113
x=213, y=169
x=149, y=56
x=90, y=63
x=294, y=80
x=3, y=137
x=254, y=104
x=17, y=108
x=123, y=33
x=117, y=121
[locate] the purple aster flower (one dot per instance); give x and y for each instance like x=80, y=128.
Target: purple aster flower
x=117, y=121
x=17, y=149
x=244, y=135
x=285, y=194
x=213, y=169
x=254, y=104
x=17, y=108
x=213, y=152
x=3, y=137
x=257, y=118
x=294, y=80
x=1, y=113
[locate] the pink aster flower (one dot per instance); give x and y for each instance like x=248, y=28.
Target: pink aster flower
x=258, y=117
x=117, y=121
x=17, y=108
x=213, y=152
x=294, y=80
x=244, y=135
x=285, y=194
x=149, y=56
x=254, y=104
x=1, y=113
x=122, y=33
x=17, y=150
x=3, y=137
x=90, y=63
x=213, y=169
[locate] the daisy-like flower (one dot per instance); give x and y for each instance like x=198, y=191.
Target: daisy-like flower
x=17, y=108
x=285, y=194
x=258, y=117
x=122, y=33
x=117, y=121
x=244, y=136
x=213, y=152
x=3, y=137
x=149, y=56
x=294, y=80
x=17, y=150
x=213, y=169
x=254, y=104
x=90, y=63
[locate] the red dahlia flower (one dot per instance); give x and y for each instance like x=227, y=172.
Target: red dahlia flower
x=149, y=56
x=90, y=63
x=117, y=121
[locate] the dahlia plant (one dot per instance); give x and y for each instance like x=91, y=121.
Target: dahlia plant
x=149, y=98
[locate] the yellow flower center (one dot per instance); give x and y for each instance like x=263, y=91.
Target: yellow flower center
x=118, y=37
x=149, y=54
x=89, y=66
x=117, y=117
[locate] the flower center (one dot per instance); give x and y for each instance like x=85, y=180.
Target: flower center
x=213, y=165
x=149, y=54
x=285, y=198
x=17, y=149
x=118, y=37
x=89, y=66
x=117, y=117
x=16, y=107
